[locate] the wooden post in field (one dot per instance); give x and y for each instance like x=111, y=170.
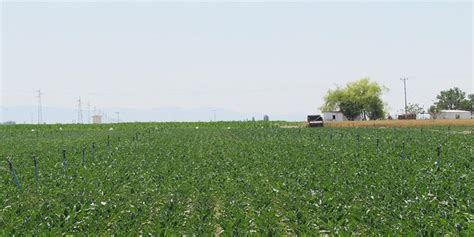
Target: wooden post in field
x=35, y=161
x=64, y=160
x=13, y=171
x=438, y=162
x=83, y=154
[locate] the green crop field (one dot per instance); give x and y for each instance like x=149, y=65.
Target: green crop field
x=234, y=178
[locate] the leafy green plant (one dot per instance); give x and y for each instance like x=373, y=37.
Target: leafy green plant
x=252, y=179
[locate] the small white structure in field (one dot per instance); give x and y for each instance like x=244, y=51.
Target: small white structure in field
x=453, y=114
x=423, y=116
x=97, y=119
x=336, y=116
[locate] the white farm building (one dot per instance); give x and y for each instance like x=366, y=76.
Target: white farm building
x=336, y=116
x=453, y=114
x=97, y=119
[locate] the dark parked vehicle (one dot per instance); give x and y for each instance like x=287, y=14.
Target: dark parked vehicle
x=315, y=121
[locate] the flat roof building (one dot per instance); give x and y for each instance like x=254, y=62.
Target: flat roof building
x=453, y=114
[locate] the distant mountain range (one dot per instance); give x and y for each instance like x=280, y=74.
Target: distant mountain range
x=29, y=114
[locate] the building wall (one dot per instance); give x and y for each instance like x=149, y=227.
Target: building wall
x=336, y=117
x=333, y=116
x=454, y=115
x=97, y=119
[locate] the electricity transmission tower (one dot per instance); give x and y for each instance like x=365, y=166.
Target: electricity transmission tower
x=118, y=117
x=79, y=111
x=405, y=88
x=40, y=107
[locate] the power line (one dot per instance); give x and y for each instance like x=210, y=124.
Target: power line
x=405, y=88
x=118, y=117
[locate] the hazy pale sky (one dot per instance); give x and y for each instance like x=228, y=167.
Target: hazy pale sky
x=247, y=57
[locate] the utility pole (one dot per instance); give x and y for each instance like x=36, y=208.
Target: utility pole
x=79, y=111
x=215, y=117
x=40, y=107
x=405, y=88
x=118, y=117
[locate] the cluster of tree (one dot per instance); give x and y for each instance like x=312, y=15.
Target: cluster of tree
x=359, y=98
x=453, y=99
x=363, y=98
x=415, y=109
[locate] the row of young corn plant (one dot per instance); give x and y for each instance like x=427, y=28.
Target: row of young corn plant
x=234, y=178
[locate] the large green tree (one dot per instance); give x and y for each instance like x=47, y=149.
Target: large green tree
x=358, y=98
x=471, y=101
x=453, y=98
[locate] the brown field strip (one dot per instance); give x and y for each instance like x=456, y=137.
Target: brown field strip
x=402, y=123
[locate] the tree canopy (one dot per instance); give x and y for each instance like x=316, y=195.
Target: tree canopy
x=415, y=109
x=358, y=98
x=452, y=99
x=471, y=100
